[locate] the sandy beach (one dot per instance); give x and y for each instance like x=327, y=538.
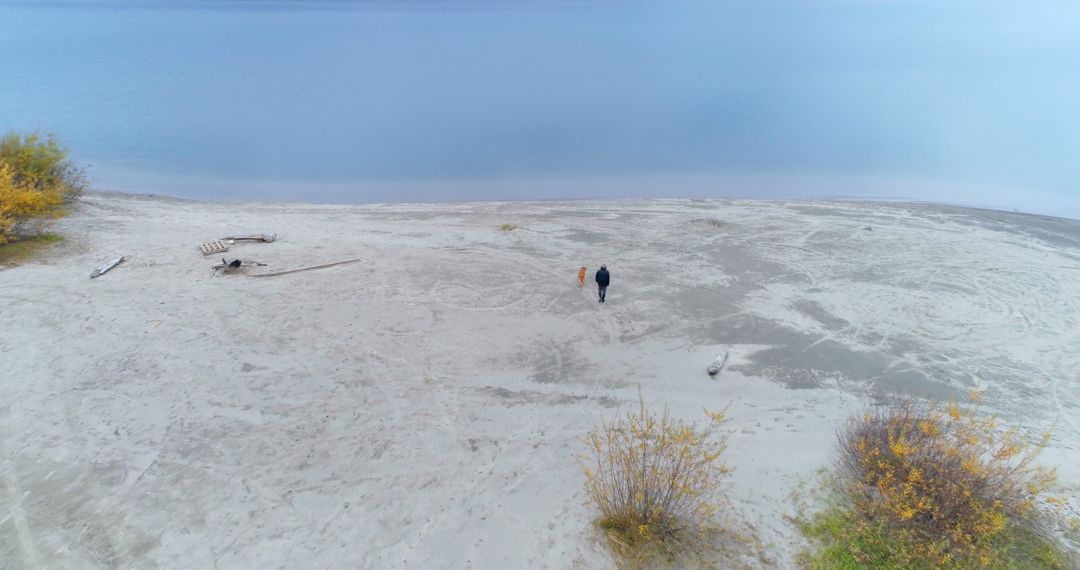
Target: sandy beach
x=424, y=406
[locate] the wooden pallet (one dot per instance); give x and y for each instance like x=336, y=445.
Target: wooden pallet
x=212, y=247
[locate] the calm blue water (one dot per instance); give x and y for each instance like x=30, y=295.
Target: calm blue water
x=372, y=101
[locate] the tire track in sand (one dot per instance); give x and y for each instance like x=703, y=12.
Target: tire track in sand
x=18, y=515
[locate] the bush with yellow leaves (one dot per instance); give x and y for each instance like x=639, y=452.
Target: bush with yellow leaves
x=655, y=481
x=36, y=178
x=936, y=487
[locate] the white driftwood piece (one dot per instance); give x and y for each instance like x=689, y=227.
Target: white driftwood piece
x=105, y=268
x=717, y=364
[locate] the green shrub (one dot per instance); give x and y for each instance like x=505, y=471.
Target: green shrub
x=929, y=487
x=36, y=178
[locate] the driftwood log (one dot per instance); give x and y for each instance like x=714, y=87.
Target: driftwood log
x=267, y=238
x=276, y=273
x=105, y=268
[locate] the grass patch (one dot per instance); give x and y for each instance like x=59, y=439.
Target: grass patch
x=844, y=542
x=508, y=227
x=918, y=486
x=15, y=252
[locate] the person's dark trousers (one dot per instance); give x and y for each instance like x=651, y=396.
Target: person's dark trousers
x=603, y=293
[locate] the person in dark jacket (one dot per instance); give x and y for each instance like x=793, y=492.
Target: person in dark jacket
x=603, y=279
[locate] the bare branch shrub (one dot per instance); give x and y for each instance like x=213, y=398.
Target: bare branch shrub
x=655, y=480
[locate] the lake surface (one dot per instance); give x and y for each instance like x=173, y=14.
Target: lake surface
x=964, y=101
